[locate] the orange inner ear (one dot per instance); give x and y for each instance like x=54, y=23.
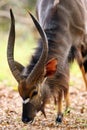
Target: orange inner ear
x=51, y=67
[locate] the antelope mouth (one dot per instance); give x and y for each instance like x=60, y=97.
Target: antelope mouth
x=27, y=120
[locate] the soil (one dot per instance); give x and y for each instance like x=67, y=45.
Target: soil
x=11, y=110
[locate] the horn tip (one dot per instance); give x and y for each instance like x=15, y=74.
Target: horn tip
x=29, y=13
x=10, y=9
x=11, y=14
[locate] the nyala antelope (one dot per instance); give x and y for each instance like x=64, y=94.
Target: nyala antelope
x=61, y=25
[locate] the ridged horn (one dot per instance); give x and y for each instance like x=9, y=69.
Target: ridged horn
x=39, y=67
x=10, y=50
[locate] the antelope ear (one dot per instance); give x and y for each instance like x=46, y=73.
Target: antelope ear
x=51, y=67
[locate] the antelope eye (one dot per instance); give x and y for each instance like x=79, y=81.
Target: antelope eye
x=34, y=93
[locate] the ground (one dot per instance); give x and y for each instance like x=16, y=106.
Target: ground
x=11, y=109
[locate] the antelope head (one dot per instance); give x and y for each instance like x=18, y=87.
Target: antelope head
x=31, y=87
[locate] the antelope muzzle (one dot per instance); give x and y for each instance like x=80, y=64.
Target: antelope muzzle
x=28, y=113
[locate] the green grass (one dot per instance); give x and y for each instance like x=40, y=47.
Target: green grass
x=75, y=70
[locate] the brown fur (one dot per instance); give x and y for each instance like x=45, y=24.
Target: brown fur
x=64, y=26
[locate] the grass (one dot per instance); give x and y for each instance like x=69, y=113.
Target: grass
x=23, y=51
x=75, y=72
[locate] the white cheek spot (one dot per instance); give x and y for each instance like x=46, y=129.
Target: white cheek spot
x=26, y=101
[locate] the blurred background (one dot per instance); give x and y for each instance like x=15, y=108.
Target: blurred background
x=26, y=37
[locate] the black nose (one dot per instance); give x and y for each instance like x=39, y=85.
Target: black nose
x=27, y=120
